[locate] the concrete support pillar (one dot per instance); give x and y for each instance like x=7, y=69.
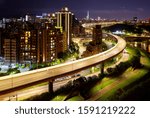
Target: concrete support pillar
x=13, y=98
x=147, y=46
x=102, y=68
x=50, y=87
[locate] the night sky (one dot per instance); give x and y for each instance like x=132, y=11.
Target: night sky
x=118, y=9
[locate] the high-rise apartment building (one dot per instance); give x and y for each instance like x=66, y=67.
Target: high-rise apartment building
x=10, y=51
x=32, y=42
x=50, y=43
x=64, y=21
x=19, y=43
x=97, y=35
x=1, y=42
x=28, y=46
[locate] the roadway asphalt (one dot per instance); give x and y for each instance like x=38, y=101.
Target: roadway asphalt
x=26, y=93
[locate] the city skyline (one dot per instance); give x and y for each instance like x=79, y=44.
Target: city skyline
x=115, y=9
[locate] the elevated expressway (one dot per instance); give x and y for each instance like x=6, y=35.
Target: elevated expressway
x=103, y=24
x=137, y=38
x=22, y=80
x=139, y=41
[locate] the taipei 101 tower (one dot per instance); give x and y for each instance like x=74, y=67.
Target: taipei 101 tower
x=88, y=15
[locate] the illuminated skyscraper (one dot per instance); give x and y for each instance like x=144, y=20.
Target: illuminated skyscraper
x=88, y=15
x=64, y=21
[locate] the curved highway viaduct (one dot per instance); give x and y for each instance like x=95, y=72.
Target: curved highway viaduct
x=22, y=80
x=133, y=40
x=103, y=24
